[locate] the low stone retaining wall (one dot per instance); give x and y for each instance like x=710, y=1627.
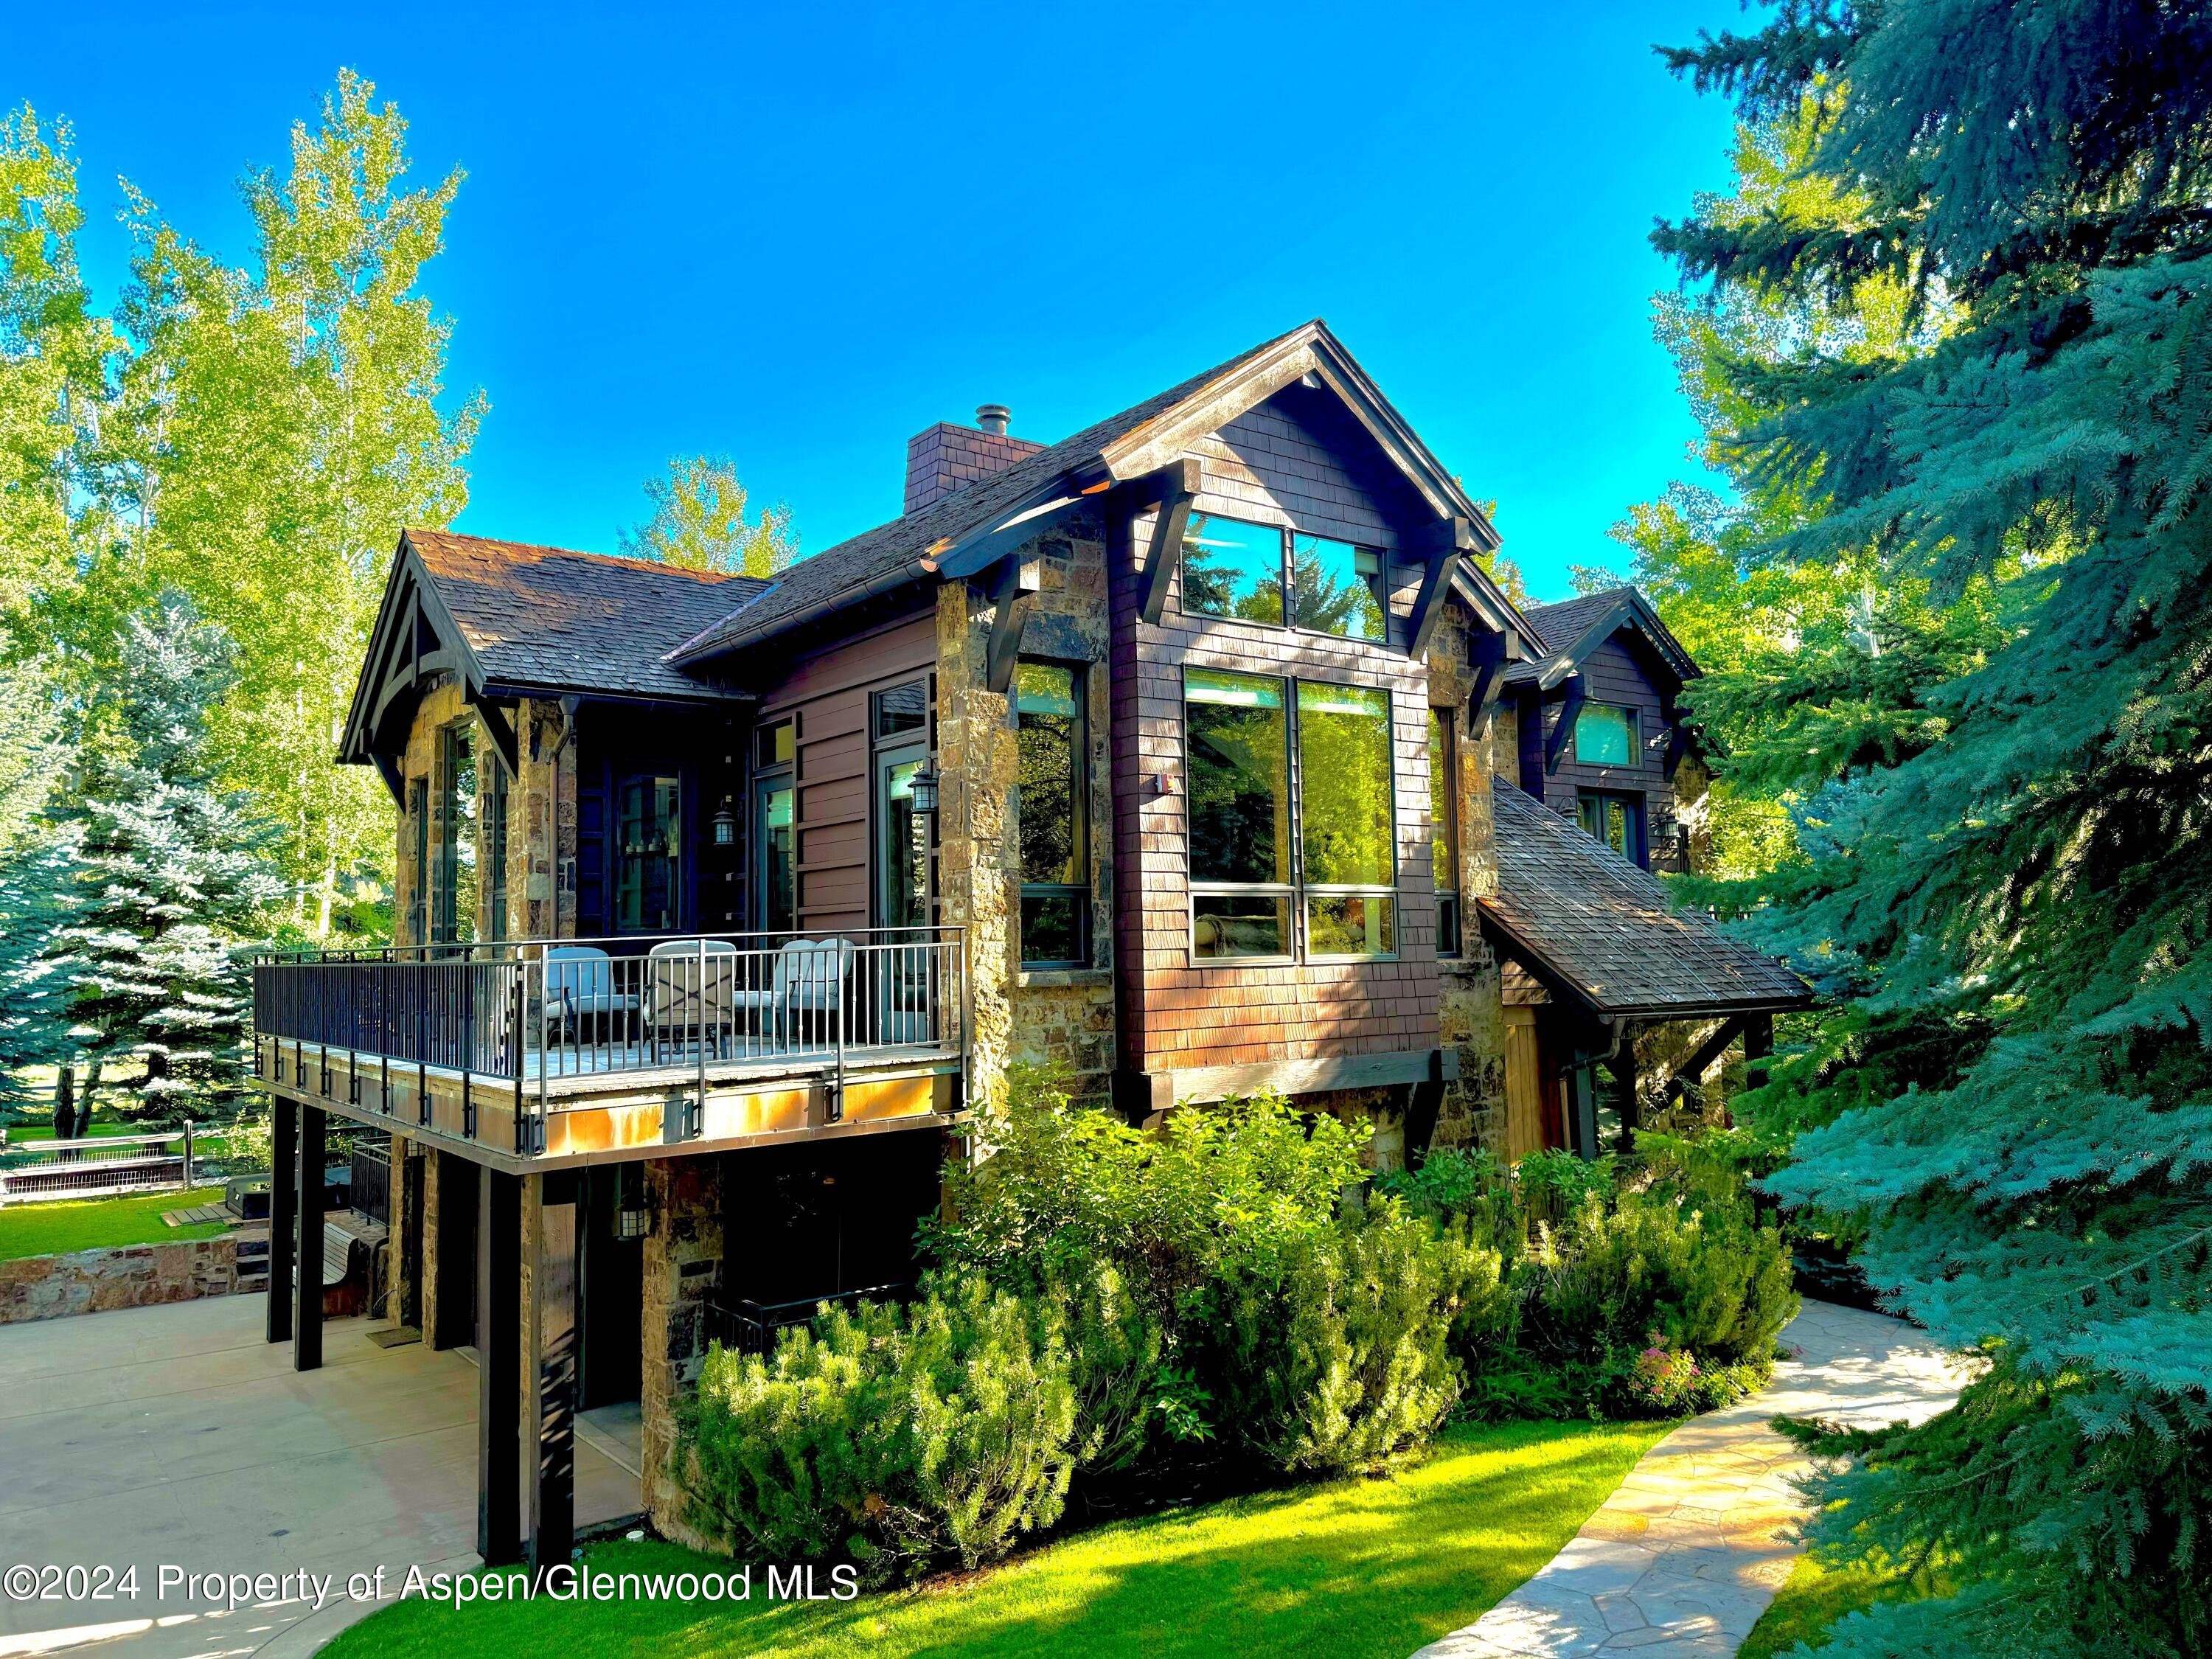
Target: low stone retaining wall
x=127, y=1276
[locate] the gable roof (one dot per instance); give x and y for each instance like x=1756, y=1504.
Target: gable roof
x=1138, y=440
x=1587, y=922
x=1574, y=628
x=549, y=618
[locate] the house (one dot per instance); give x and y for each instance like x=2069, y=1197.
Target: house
x=1179, y=754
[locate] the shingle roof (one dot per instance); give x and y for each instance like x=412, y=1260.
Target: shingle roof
x=1562, y=627
x=552, y=618
x=1606, y=930
x=881, y=553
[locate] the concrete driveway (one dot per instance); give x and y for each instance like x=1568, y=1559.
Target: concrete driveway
x=174, y=1437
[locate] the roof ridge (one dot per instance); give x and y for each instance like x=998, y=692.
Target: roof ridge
x=626, y=560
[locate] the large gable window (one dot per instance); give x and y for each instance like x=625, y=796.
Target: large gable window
x=1259, y=573
x=455, y=887
x=1055, y=863
x=1345, y=805
x=1443, y=821
x=1605, y=735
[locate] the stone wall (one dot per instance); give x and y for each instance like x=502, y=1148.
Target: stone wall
x=130, y=1276
x=682, y=1273
x=428, y=1167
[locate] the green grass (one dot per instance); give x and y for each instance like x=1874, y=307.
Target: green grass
x=1351, y=1568
x=57, y=1227
x=1816, y=1597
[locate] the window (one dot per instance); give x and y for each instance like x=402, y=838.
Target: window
x=418, y=901
x=901, y=726
x=1231, y=568
x=495, y=848
x=1334, y=589
x=902, y=710
x=1052, y=777
x=776, y=744
x=454, y=852
x=648, y=875
x=1348, y=840
x=1239, y=730
x=1238, y=734
x=1616, y=820
x=1444, y=820
x=776, y=828
x=1605, y=736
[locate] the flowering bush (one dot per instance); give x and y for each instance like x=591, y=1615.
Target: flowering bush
x=1664, y=1381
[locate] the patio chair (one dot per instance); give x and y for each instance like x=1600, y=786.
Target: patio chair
x=580, y=983
x=806, y=987
x=686, y=1000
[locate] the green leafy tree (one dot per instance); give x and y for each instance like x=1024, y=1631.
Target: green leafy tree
x=2011, y=880
x=173, y=873
x=698, y=522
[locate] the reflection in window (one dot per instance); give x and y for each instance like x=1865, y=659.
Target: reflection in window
x=1335, y=587
x=903, y=709
x=776, y=744
x=453, y=917
x=647, y=879
x=1444, y=822
x=1616, y=820
x=495, y=848
x=1346, y=829
x=1055, y=888
x=1605, y=735
x=1232, y=568
x=776, y=866
x=1238, y=738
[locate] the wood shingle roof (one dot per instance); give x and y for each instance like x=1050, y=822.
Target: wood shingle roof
x=1585, y=919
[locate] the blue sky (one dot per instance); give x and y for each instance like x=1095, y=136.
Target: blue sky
x=799, y=234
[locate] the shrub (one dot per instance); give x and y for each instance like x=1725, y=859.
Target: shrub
x=1343, y=1360
x=900, y=1438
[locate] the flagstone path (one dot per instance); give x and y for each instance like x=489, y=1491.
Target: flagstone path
x=1681, y=1560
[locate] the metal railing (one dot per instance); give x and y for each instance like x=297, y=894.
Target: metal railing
x=534, y=1014
x=100, y=1166
x=745, y=1326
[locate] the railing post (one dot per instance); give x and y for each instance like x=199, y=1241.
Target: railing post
x=516, y=1048
x=698, y=1124
x=468, y=1046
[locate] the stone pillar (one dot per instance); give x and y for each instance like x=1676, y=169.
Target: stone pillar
x=1470, y=1015
x=977, y=761
x=682, y=1273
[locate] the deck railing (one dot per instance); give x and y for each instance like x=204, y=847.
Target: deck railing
x=535, y=1013
x=98, y=1166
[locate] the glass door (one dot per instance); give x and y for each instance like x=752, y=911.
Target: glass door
x=775, y=859
x=898, y=989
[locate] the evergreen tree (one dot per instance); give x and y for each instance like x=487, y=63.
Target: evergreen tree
x=37, y=901
x=2014, y=887
x=174, y=872
x=698, y=522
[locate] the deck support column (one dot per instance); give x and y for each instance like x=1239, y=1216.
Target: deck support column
x=284, y=1124
x=1582, y=1108
x=549, y=1243
x=499, y=1369
x=308, y=1313
x=1758, y=1049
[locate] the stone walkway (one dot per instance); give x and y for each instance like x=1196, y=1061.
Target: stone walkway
x=1683, y=1558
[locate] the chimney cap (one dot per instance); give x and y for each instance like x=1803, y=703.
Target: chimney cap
x=994, y=417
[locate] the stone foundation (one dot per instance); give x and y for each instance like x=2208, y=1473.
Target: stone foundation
x=683, y=1271
x=130, y=1276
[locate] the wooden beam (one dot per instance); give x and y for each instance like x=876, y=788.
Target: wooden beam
x=1429, y=603
x=502, y=729
x=1298, y=1077
x=1685, y=1076
x=1486, y=655
x=1555, y=746
x=283, y=1170
x=1010, y=578
x=1582, y=1108
x=499, y=1367
x=308, y=1246
x=1178, y=487
x=551, y=1236
x=387, y=768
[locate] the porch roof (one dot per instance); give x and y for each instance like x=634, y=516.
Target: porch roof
x=1590, y=924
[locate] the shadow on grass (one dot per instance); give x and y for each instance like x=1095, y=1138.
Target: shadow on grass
x=1355, y=1567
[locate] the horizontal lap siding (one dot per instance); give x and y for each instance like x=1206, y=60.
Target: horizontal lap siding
x=1178, y=1012
x=829, y=691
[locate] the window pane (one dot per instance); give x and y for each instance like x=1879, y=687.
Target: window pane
x=1052, y=927
x=1240, y=925
x=775, y=746
x=1333, y=587
x=1343, y=771
x=903, y=709
x=1351, y=925
x=1240, y=777
x=1232, y=568
x=455, y=918
x=1045, y=714
x=495, y=849
x=779, y=870
x=1443, y=802
x=905, y=852
x=1605, y=736
x=647, y=885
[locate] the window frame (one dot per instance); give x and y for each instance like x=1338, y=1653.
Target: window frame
x=1635, y=716
x=1079, y=805
x=679, y=874
x=1297, y=891
x=1443, y=759
x=896, y=748
x=1286, y=534
x=1637, y=821
x=771, y=773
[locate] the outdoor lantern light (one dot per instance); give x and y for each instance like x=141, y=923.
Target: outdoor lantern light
x=632, y=1222
x=726, y=825
x=923, y=786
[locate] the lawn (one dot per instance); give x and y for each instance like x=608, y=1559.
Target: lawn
x=56, y=1227
x=1349, y=1568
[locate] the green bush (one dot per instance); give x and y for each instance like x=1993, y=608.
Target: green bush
x=1342, y=1361
x=902, y=1438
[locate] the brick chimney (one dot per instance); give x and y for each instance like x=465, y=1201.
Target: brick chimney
x=944, y=457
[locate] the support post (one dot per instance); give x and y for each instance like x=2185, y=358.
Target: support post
x=553, y=1372
x=1758, y=1049
x=499, y=1369
x=1582, y=1108
x=1627, y=1103
x=307, y=1253
x=283, y=1172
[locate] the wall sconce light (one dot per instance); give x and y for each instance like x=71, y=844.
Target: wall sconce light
x=633, y=1221
x=726, y=825
x=923, y=786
